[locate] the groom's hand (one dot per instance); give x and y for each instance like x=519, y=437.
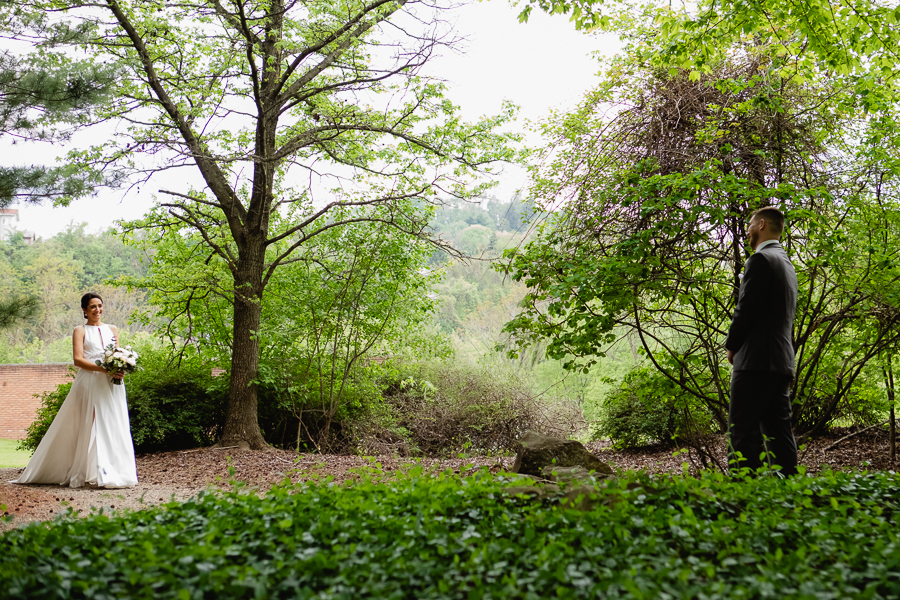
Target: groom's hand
x=730, y=357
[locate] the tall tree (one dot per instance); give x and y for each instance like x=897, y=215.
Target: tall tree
x=298, y=117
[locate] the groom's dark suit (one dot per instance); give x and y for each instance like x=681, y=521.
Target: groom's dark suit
x=760, y=338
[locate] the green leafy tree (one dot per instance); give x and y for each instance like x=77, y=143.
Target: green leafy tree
x=52, y=277
x=30, y=90
x=281, y=107
x=855, y=44
x=651, y=236
x=41, y=284
x=349, y=293
x=103, y=256
x=359, y=293
x=859, y=38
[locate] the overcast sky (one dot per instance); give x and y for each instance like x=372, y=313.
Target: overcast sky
x=539, y=65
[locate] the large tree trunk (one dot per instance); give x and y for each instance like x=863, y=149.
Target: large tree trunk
x=241, y=424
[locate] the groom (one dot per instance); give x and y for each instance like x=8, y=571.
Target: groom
x=760, y=348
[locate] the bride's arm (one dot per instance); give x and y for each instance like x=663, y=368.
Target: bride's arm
x=78, y=352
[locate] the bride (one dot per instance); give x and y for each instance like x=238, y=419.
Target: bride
x=89, y=440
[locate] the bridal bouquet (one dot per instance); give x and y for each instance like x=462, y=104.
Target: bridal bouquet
x=118, y=359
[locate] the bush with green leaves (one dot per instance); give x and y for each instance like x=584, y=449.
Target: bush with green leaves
x=307, y=410
x=51, y=402
x=175, y=402
x=172, y=403
x=435, y=536
x=648, y=407
x=443, y=407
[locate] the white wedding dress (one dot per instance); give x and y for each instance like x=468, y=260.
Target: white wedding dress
x=89, y=441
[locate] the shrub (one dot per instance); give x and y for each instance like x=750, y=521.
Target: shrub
x=303, y=409
x=50, y=403
x=175, y=405
x=439, y=407
x=865, y=403
x=171, y=405
x=648, y=407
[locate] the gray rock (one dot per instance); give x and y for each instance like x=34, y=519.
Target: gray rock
x=583, y=497
x=570, y=474
x=535, y=492
x=536, y=451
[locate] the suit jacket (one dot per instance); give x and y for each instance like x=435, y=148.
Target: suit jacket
x=760, y=332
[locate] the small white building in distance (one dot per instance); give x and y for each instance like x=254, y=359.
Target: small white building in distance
x=8, y=218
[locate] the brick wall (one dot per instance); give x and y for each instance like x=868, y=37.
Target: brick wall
x=18, y=384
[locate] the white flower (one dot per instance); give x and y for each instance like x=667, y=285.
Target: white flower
x=131, y=361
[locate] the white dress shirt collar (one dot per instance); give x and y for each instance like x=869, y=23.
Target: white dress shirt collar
x=764, y=244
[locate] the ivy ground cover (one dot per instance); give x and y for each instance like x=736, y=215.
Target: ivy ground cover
x=426, y=535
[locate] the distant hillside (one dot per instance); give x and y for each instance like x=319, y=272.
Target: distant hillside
x=57, y=271
x=472, y=289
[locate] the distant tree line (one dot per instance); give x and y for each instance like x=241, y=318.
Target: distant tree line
x=52, y=275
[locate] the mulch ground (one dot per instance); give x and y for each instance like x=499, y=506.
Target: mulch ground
x=181, y=474
x=867, y=450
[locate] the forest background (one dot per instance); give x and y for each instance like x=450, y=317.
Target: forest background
x=473, y=301
x=611, y=303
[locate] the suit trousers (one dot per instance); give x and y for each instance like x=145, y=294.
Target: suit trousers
x=761, y=406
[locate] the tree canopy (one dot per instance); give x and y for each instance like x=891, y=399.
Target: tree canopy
x=657, y=173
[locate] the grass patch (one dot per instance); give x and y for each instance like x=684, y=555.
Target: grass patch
x=10, y=457
x=437, y=536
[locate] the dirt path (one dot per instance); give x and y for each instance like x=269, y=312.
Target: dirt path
x=183, y=474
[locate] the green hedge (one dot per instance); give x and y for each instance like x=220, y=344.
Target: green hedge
x=50, y=404
x=171, y=404
x=424, y=536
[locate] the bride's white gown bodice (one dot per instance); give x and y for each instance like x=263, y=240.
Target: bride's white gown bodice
x=89, y=441
x=96, y=339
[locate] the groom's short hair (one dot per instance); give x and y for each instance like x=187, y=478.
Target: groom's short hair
x=772, y=216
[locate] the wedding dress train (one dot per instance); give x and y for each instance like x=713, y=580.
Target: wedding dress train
x=89, y=441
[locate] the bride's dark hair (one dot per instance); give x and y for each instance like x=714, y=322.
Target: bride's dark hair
x=86, y=299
